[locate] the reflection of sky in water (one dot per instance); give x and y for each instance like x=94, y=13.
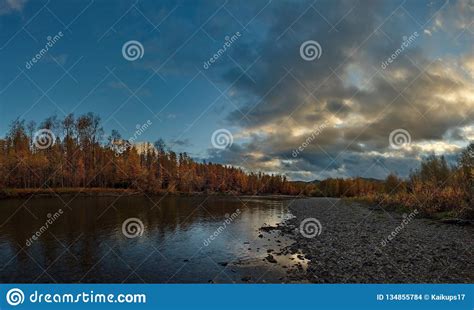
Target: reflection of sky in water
x=87, y=244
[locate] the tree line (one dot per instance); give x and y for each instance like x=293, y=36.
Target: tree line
x=433, y=188
x=76, y=155
x=72, y=152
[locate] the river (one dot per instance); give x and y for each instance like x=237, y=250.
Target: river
x=196, y=239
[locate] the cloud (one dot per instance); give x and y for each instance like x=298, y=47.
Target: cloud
x=347, y=88
x=453, y=17
x=11, y=6
x=181, y=142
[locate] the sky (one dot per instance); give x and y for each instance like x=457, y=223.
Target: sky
x=308, y=89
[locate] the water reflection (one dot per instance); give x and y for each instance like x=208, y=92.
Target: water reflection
x=86, y=243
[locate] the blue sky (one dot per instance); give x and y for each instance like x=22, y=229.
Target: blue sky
x=91, y=45
x=260, y=89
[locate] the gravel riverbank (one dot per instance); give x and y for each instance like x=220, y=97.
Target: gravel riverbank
x=357, y=244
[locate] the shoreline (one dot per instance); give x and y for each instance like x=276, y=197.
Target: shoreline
x=353, y=245
x=16, y=193
x=23, y=193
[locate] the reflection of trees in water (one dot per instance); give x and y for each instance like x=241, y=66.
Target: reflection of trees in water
x=89, y=233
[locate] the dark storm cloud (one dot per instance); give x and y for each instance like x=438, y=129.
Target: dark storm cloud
x=347, y=87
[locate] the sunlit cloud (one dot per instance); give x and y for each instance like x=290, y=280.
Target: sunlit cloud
x=426, y=92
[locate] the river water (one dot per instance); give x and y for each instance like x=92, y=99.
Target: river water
x=197, y=239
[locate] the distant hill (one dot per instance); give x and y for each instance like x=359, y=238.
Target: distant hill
x=373, y=180
x=319, y=181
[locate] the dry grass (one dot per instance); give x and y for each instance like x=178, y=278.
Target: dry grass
x=429, y=200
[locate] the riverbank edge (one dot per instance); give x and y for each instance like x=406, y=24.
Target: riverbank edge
x=15, y=193
x=291, y=228
x=449, y=217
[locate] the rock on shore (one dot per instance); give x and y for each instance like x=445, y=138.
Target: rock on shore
x=360, y=245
